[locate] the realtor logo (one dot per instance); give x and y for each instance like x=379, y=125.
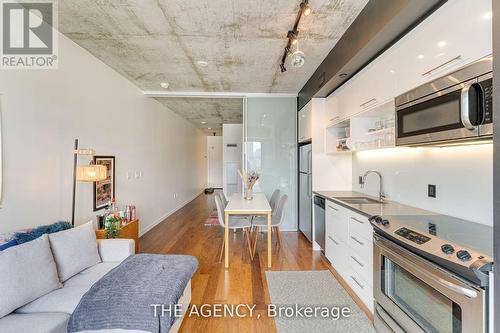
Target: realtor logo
x=29, y=35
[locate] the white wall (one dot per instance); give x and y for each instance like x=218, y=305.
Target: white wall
x=45, y=110
x=330, y=172
x=463, y=176
x=214, y=161
x=232, y=157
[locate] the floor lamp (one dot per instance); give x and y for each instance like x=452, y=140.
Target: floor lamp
x=88, y=173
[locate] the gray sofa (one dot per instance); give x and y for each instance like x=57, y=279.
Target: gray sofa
x=50, y=312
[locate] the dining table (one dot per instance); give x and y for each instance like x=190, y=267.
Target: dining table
x=238, y=205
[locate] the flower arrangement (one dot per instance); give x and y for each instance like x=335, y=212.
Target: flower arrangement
x=249, y=179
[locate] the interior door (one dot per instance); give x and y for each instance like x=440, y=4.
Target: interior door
x=214, y=161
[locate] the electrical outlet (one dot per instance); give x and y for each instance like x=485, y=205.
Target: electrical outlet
x=431, y=191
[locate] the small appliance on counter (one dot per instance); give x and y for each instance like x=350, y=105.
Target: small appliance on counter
x=431, y=274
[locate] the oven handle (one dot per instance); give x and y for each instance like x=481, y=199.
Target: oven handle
x=465, y=106
x=461, y=290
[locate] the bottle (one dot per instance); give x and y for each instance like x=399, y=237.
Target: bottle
x=128, y=213
x=133, y=213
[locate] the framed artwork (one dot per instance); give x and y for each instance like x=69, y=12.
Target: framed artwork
x=104, y=190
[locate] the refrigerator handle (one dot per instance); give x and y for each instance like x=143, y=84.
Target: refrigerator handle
x=309, y=161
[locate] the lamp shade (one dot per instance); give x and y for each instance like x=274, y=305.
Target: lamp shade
x=91, y=173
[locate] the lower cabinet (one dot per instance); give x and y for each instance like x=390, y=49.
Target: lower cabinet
x=349, y=248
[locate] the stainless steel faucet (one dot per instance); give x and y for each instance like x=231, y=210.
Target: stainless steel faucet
x=381, y=195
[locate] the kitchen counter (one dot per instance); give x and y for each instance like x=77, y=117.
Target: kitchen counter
x=388, y=208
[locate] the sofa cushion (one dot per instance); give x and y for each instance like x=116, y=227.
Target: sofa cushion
x=61, y=300
x=35, y=323
x=6, y=245
x=29, y=272
x=91, y=275
x=74, y=250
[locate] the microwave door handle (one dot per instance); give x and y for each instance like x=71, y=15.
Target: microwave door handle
x=465, y=107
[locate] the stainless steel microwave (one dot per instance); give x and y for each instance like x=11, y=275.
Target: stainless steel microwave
x=455, y=108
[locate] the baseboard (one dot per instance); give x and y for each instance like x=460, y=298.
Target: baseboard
x=173, y=211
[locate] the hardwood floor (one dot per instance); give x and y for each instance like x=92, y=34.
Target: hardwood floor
x=244, y=281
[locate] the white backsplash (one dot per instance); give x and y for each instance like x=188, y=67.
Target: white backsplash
x=463, y=176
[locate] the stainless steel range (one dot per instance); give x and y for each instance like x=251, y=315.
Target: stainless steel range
x=431, y=274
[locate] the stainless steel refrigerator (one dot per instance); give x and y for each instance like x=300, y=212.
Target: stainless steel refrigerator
x=305, y=191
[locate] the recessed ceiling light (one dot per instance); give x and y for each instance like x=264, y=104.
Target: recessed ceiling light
x=210, y=128
x=203, y=122
x=441, y=54
x=342, y=75
x=442, y=43
x=202, y=63
x=164, y=85
x=391, y=71
x=420, y=56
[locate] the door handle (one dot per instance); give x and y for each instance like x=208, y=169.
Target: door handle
x=333, y=240
x=357, y=282
x=333, y=208
x=458, y=289
x=365, y=104
x=357, y=241
x=465, y=106
x=355, y=219
x=357, y=261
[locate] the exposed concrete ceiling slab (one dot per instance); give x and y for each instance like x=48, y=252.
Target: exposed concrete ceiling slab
x=213, y=111
x=154, y=41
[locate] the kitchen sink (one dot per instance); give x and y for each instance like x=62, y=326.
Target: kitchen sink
x=360, y=200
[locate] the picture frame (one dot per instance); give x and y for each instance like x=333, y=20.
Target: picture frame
x=104, y=190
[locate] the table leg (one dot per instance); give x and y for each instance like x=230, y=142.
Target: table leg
x=226, y=240
x=269, y=236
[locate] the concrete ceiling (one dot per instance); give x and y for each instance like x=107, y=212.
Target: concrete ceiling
x=154, y=41
x=213, y=111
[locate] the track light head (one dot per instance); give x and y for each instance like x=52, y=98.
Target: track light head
x=306, y=9
x=282, y=68
x=293, y=36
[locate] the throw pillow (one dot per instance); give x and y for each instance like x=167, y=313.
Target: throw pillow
x=29, y=272
x=28, y=236
x=74, y=250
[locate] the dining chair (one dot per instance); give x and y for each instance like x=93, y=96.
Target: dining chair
x=274, y=199
x=222, y=197
x=277, y=218
x=235, y=223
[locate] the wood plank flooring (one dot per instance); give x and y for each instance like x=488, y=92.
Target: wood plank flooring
x=244, y=282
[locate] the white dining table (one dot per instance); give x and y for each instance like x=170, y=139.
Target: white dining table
x=238, y=205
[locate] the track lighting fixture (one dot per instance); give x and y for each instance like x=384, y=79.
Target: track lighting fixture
x=306, y=9
x=298, y=57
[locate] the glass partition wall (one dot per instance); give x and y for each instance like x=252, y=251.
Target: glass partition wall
x=271, y=148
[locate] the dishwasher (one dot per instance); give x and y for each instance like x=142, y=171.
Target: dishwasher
x=319, y=222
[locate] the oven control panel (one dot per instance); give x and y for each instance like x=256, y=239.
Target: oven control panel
x=412, y=236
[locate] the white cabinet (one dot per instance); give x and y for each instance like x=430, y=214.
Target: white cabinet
x=305, y=123
x=349, y=248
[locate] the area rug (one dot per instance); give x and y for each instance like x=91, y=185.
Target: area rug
x=314, y=289
x=212, y=219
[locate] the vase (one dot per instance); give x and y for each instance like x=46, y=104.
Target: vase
x=249, y=194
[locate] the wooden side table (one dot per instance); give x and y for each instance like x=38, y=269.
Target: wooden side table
x=129, y=231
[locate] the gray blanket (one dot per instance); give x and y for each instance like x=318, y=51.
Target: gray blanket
x=122, y=298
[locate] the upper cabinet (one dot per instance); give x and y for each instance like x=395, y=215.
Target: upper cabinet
x=305, y=123
x=457, y=34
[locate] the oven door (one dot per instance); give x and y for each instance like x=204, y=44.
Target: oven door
x=414, y=295
x=450, y=114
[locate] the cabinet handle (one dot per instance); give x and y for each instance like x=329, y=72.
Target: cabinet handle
x=431, y=71
x=355, y=219
x=333, y=240
x=365, y=104
x=357, y=261
x=333, y=208
x=357, y=241
x=357, y=282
